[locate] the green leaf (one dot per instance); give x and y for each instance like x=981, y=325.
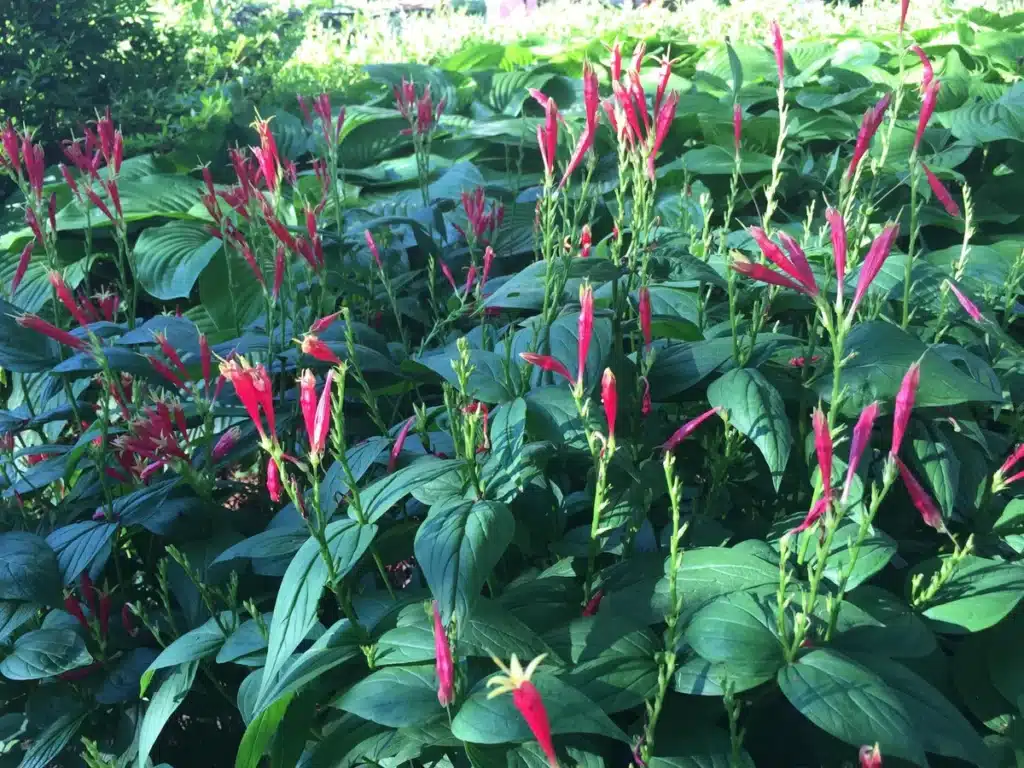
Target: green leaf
x=616, y=664
x=170, y=258
x=503, y=469
x=274, y=542
x=457, y=546
x=849, y=701
x=937, y=723
x=302, y=586
x=679, y=366
x=164, y=195
x=756, y=409
x=78, y=544
x=192, y=646
x=563, y=341
x=979, y=595
x=699, y=748
x=935, y=456
x=486, y=383
x=381, y=495
x=28, y=569
x=165, y=701
x=44, y=653
x=882, y=354
x=496, y=721
x=551, y=414
x=22, y=350
x=51, y=742
x=260, y=732
x=398, y=697
x=738, y=631
x=716, y=160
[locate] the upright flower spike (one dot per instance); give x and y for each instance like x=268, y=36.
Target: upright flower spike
x=968, y=306
x=763, y=274
x=644, y=309
x=307, y=401
x=922, y=501
x=67, y=298
x=904, y=406
x=274, y=486
x=823, y=449
x=859, y=441
x=322, y=418
x=870, y=757
x=796, y=267
x=547, y=363
x=664, y=73
x=527, y=700
x=877, y=254
x=941, y=193
x=322, y=324
x=837, y=229
x=688, y=429
x=547, y=137
x=226, y=443
x=585, y=329
x=171, y=354
x=778, y=50
x=22, y=268
x=485, y=273
x=615, y=64
x=374, y=250
x=443, y=661
x=610, y=402
x=799, y=260
x=931, y=94
x=253, y=388
x=869, y=126
x=662, y=124
x=927, y=73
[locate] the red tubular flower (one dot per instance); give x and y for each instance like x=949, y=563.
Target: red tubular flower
x=35, y=164
x=904, y=405
x=859, y=441
x=204, y=359
x=447, y=272
x=274, y=486
x=527, y=700
x=931, y=93
x=969, y=306
x=307, y=400
x=1012, y=460
x=226, y=443
x=586, y=242
x=664, y=73
x=322, y=418
x=72, y=606
x=585, y=329
x=70, y=181
x=374, y=250
x=638, y=56
x=636, y=93
x=837, y=227
x=165, y=371
x=547, y=363
x=127, y=622
x=171, y=354
x=941, y=193
x=443, y=660
x=322, y=324
x=688, y=429
x=877, y=254
x=920, y=498
x=470, y=279
x=485, y=273
x=762, y=274
x=645, y=400
x=645, y=315
x=928, y=74
x=33, y=224
x=631, y=129
x=871, y=757
x=610, y=401
x=253, y=387
x=51, y=211
x=615, y=65
x=37, y=324
x=267, y=156
x=275, y=291
x=869, y=126
x=799, y=260
x=737, y=127
x=662, y=124
x=314, y=347
x=904, y=7
x=591, y=96
x=593, y=604
x=23, y=261
x=98, y=202
x=823, y=449
x=304, y=108
x=547, y=137
x=777, y=48
x=813, y=515
x=396, y=449
x=585, y=142
x=12, y=155
x=115, y=196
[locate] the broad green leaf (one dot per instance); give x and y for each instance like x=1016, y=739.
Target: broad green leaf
x=615, y=663
x=503, y=469
x=302, y=586
x=756, y=409
x=170, y=258
x=259, y=733
x=882, y=354
x=934, y=455
x=165, y=701
x=78, y=544
x=43, y=653
x=715, y=160
x=29, y=569
x=192, y=646
x=496, y=721
x=457, y=547
x=900, y=632
x=979, y=595
x=274, y=542
x=381, y=495
x=696, y=676
x=563, y=342
x=51, y=742
x=738, y=632
x=122, y=684
x=398, y=697
x=22, y=350
x=938, y=724
x=158, y=195
x=551, y=414
x=851, y=702
x=486, y=383
x=699, y=748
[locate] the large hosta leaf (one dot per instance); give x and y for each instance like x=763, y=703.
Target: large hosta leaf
x=170, y=258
